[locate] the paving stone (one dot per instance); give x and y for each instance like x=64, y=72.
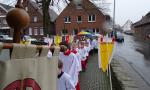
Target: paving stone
x=93, y=78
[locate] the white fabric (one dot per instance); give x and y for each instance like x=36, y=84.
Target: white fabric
x=18, y=51
x=94, y=44
x=70, y=65
x=65, y=82
x=49, y=55
x=38, y=71
x=79, y=59
x=87, y=50
x=83, y=54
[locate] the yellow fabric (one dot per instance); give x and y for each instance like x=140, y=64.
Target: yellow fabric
x=25, y=42
x=106, y=50
x=57, y=40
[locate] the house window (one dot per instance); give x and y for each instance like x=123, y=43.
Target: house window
x=79, y=19
x=97, y=30
x=35, y=31
x=4, y=21
x=91, y=18
x=35, y=19
x=75, y=31
x=67, y=19
x=41, y=31
x=26, y=8
x=30, y=31
x=94, y=30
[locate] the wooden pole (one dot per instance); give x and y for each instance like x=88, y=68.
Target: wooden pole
x=16, y=36
x=17, y=18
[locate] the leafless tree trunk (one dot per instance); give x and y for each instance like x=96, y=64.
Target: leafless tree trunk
x=46, y=17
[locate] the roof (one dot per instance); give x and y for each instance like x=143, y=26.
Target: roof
x=52, y=13
x=6, y=7
x=144, y=20
x=87, y=5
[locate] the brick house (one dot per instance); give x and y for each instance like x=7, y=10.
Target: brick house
x=35, y=28
x=4, y=28
x=80, y=16
x=142, y=28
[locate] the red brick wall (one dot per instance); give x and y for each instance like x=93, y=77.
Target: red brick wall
x=71, y=11
x=33, y=12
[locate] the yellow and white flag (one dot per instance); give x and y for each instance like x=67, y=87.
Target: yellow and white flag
x=26, y=71
x=105, y=53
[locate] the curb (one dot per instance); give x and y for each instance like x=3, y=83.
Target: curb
x=121, y=79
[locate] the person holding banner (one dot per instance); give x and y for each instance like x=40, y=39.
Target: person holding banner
x=64, y=81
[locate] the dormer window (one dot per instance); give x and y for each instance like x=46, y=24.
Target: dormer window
x=78, y=4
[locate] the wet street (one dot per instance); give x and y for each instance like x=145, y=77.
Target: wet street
x=131, y=52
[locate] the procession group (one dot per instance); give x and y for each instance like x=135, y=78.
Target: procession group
x=73, y=59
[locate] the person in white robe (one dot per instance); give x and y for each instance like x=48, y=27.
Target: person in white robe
x=74, y=49
x=70, y=62
x=83, y=53
x=64, y=81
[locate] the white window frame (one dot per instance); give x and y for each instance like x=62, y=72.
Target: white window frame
x=35, y=19
x=92, y=17
x=73, y=33
x=4, y=21
x=41, y=31
x=30, y=31
x=78, y=19
x=78, y=4
x=67, y=19
x=35, y=31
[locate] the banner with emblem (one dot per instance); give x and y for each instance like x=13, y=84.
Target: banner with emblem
x=29, y=70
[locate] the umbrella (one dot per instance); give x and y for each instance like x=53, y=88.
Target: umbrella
x=84, y=33
x=87, y=34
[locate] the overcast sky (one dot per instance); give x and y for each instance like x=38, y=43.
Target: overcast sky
x=130, y=9
x=125, y=9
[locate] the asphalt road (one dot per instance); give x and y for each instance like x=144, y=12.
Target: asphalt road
x=130, y=51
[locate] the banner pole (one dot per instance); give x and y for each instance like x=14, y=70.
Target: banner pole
x=110, y=78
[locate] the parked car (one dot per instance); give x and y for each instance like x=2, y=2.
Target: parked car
x=120, y=37
x=27, y=40
x=5, y=37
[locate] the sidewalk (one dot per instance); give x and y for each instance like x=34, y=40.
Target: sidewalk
x=93, y=78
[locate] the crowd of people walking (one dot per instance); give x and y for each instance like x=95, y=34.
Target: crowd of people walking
x=73, y=59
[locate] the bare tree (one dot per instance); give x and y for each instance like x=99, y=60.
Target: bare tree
x=46, y=16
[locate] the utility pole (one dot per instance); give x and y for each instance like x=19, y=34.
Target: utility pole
x=114, y=12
